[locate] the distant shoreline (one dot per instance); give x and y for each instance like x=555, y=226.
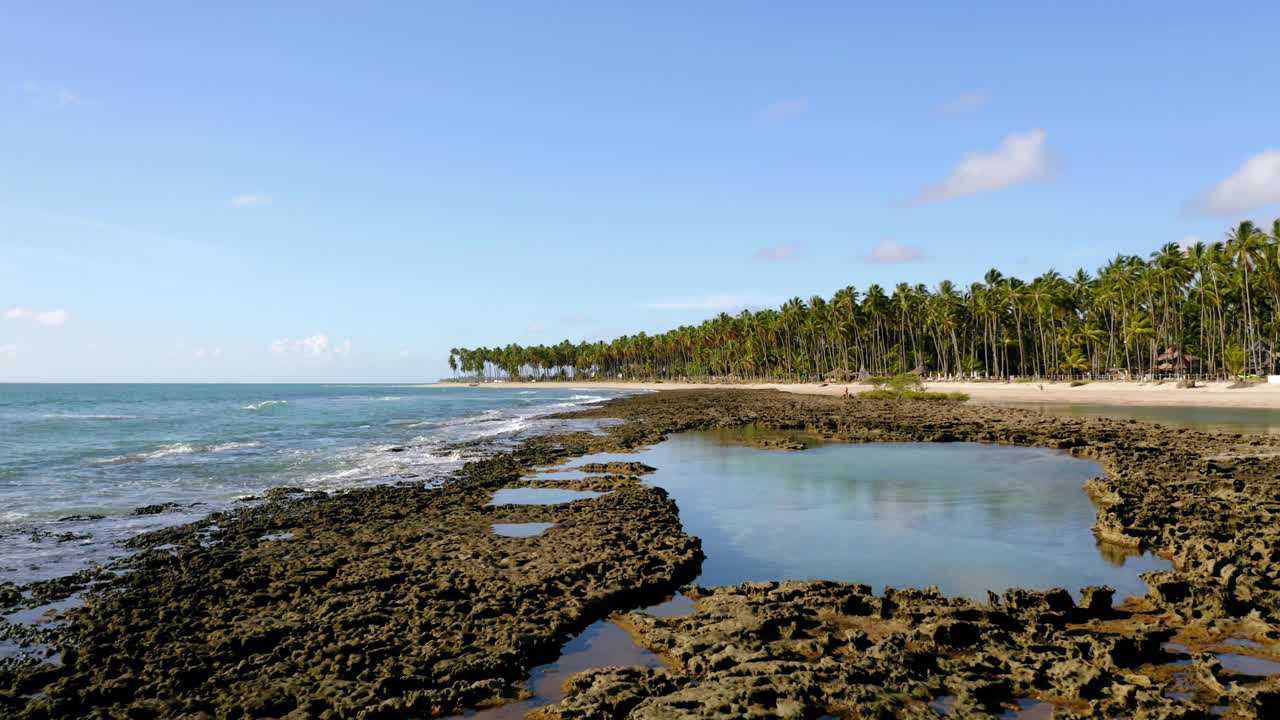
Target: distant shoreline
x=1214, y=394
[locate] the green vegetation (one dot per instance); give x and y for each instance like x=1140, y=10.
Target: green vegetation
x=1208, y=310
x=1233, y=358
x=906, y=386
x=1078, y=383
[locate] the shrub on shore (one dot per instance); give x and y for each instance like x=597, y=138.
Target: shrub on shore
x=907, y=387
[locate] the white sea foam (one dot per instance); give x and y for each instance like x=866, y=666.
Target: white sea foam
x=494, y=423
x=182, y=449
x=373, y=466
x=495, y=427
x=264, y=404
x=173, y=450
x=232, y=446
x=429, y=458
x=167, y=451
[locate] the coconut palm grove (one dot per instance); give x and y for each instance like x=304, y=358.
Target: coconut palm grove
x=1208, y=310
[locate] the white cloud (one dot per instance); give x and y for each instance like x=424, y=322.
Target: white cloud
x=964, y=102
x=787, y=107
x=778, y=253
x=1255, y=184
x=52, y=318
x=48, y=318
x=245, y=201
x=534, y=328
x=9, y=350
x=1188, y=241
x=55, y=95
x=316, y=344
x=313, y=346
x=892, y=252
x=1021, y=157
x=198, y=353
x=718, y=302
x=63, y=96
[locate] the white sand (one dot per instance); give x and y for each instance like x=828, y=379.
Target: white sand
x=1097, y=393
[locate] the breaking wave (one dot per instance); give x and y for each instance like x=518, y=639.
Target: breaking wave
x=265, y=404
x=174, y=450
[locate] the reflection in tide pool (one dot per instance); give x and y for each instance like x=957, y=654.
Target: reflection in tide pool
x=602, y=644
x=965, y=516
x=1246, y=421
x=540, y=496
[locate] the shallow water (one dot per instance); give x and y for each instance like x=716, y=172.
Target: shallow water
x=965, y=516
x=1246, y=421
x=1242, y=642
x=540, y=496
x=1249, y=665
x=602, y=644
x=1019, y=709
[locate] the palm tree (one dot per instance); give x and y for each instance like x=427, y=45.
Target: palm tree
x=1244, y=246
x=1220, y=299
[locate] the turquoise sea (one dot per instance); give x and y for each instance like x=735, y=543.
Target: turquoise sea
x=71, y=453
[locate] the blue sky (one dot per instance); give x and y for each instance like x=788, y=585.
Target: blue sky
x=302, y=192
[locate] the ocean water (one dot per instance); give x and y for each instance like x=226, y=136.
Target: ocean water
x=78, y=451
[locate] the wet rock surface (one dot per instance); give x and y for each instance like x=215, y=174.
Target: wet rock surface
x=157, y=508
x=616, y=468
x=804, y=649
x=400, y=601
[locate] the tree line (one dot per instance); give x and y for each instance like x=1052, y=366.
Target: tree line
x=1205, y=310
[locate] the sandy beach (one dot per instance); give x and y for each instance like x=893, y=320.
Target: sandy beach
x=1098, y=393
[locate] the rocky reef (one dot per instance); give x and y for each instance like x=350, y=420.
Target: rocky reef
x=798, y=650
x=382, y=602
x=399, y=601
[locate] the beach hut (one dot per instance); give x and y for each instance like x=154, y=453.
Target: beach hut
x=1263, y=359
x=1175, y=362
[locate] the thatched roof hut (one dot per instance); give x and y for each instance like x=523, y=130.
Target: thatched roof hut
x=1174, y=357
